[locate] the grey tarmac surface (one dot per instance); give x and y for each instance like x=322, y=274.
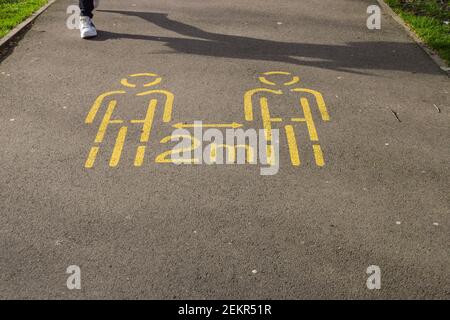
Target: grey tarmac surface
x=199, y=231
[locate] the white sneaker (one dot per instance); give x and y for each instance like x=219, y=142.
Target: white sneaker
x=96, y=3
x=87, y=28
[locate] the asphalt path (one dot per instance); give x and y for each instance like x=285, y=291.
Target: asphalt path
x=376, y=194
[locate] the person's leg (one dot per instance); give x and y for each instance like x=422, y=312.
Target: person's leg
x=87, y=28
x=86, y=7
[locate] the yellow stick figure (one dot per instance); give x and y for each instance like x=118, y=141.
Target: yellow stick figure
x=108, y=120
x=268, y=120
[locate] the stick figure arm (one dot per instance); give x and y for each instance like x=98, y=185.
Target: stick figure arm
x=168, y=106
x=248, y=101
x=320, y=102
x=98, y=103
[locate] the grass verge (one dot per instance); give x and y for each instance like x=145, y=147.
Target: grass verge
x=13, y=12
x=430, y=19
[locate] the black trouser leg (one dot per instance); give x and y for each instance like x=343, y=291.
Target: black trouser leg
x=86, y=7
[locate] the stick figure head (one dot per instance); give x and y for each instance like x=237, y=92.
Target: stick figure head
x=152, y=80
x=268, y=78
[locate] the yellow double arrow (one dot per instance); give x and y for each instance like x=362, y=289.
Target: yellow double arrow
x=181, y=125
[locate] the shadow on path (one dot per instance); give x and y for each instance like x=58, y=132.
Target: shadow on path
x=374, y=55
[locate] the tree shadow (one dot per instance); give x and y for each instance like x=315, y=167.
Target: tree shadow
x=373, y=55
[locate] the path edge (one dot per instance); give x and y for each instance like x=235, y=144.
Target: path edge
x=430, y=52
x=17, y=29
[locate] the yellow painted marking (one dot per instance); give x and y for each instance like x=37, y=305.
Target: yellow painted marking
x=106, y=121
x=167, y=116
x=91, y=158
x=153, y=83
x=213, y=153
x=181, y=125
x=232, y=151
x=271, y=73
x=293, y=146
x=293, y=81
x=248, y=101
x=320, y=102
x=125, y=82
x=271, y=83
x=97, y=104
x=148, y=121
x=265, y=81
x=145, y=74
x=140, y=154
x=318, y=155
x=267, y=119
x=270, y=154
x=164, y=157
x=309, y=120
x=298, y=119
x=250, y=152
x=118, y=147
